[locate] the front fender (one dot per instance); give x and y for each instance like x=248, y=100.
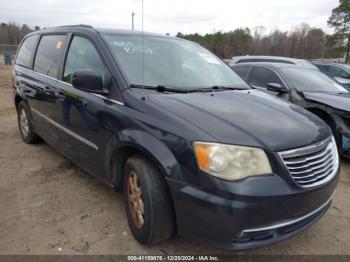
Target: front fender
x=149, y=145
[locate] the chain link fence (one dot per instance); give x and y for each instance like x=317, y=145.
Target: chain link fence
x=7, y=54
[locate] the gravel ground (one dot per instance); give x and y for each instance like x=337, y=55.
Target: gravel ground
x=50, y=206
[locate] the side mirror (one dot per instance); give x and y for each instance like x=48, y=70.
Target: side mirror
x=88, y=80
x=275, y=87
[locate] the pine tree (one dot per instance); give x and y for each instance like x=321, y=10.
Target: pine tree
x=340, y=20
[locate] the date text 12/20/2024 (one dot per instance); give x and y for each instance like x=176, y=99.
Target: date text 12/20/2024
x=173, y=258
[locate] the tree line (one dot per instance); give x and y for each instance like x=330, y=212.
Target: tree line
x=302, y=41
x=12, y=33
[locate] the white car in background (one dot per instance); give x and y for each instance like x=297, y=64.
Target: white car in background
x=271, y=59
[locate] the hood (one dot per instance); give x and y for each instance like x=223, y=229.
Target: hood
x=248, y=117
x=338, y=101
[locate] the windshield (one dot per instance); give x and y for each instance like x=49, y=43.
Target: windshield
x=170, y=62
x=309, y=80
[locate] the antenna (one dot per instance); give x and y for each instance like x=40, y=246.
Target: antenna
x=143, y=53
x=132, y=20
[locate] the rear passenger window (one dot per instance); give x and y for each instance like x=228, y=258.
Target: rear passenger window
x=49, y=54
x=26, y=51
x=323, y=68
x=261, y=76
x=242, y=71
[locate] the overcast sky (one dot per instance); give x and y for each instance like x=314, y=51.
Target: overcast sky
x=162, y=16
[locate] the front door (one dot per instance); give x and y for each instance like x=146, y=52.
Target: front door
x=80, y=114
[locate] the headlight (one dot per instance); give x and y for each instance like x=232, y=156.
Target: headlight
x=231, y=162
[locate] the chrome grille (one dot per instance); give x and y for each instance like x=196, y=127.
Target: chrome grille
x=312, y=165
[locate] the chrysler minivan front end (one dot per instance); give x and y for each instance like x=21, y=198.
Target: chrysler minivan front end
x=260, y=179
x=258, y=198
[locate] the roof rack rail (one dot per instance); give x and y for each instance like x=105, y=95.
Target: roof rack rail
x=79, y=25
x=322, y=60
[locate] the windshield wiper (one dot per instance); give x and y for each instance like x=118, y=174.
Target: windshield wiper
x=163, y=88
x=216, y=88
x=160, y=88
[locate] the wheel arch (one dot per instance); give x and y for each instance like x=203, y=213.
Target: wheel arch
x=324, y=115
x=18, y=99
x=129, y=142
x=19, y=96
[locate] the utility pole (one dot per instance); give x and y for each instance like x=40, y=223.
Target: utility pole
x=132, y=20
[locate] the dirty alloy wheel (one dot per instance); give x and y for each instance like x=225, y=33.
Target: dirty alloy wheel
x=147, y=201
x=25, y=126
x=135, y=200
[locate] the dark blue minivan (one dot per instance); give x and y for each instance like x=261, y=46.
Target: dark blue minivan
x=193, y=149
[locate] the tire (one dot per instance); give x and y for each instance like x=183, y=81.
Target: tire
x=25, y=126
x=158, y=216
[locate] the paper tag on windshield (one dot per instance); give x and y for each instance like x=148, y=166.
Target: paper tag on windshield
x=210, y=59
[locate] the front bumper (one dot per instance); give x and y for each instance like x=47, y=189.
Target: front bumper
x=255, y=237
x=246, y=221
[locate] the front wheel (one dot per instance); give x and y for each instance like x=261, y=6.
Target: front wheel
x=147, y=201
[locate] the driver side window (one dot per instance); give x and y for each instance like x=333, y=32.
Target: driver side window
x=261, y=76
x=83, y=55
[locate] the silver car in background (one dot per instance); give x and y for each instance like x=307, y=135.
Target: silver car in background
x=339, y=72
x=271, y=59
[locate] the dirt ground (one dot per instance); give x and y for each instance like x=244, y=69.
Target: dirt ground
x=49, y=206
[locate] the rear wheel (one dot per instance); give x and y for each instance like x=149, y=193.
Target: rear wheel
x=25, y=126
x=147, y=201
